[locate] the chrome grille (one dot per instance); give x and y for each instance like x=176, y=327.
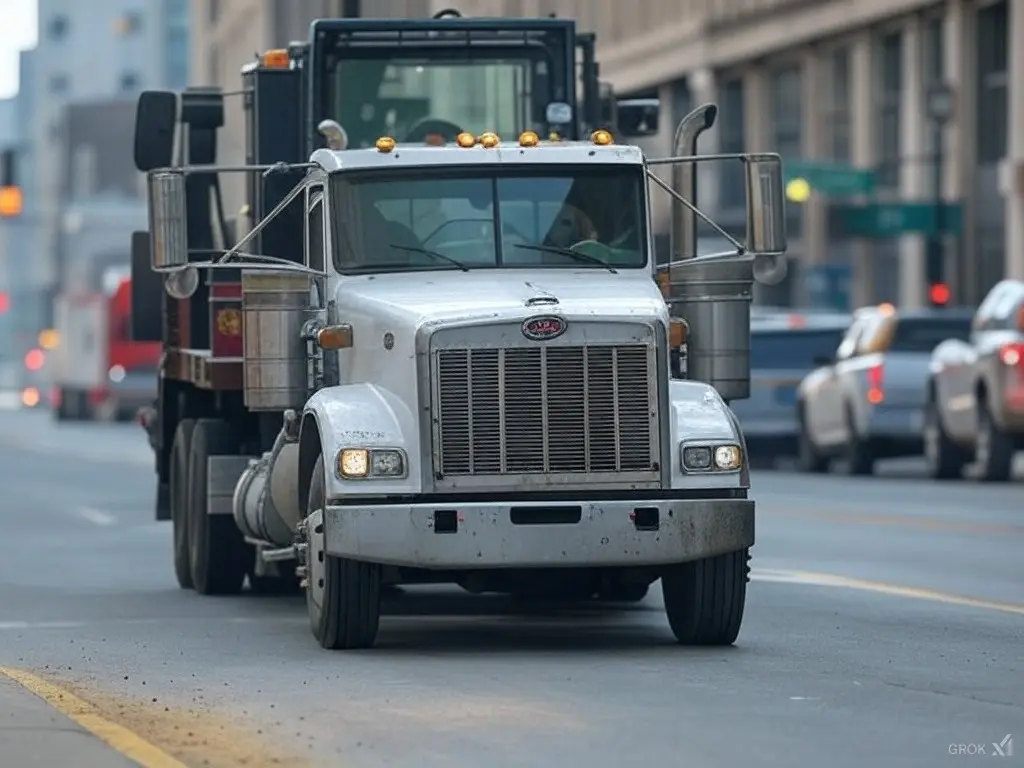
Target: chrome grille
x=546, y=409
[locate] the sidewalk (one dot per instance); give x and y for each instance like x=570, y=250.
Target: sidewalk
x=35, y=735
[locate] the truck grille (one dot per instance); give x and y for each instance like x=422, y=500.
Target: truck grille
x=554, y=409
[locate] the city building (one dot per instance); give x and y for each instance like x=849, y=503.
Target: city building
x=99, y=51
x=896, y=119
x=927, y=98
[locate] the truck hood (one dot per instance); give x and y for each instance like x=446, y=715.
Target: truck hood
x=417, y=299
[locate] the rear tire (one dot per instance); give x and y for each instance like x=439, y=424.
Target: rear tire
x=995, y=448
x=859, y=456
x=218, y=553
x=945, y=459
x=704, y=600
x=179, y=490
x=342, y=596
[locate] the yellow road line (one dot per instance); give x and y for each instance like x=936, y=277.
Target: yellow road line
x=879, y=587
x=119, y=738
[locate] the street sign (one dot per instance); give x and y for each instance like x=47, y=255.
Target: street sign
x=882, y=220
x=831, y=179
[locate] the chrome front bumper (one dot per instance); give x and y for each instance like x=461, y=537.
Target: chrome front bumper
x=539, y=535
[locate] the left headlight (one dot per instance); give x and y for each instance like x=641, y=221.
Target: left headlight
x=727, y=457
x=370, y=463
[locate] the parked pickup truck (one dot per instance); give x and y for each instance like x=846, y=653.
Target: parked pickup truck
x=867, y=403
x=975, y=391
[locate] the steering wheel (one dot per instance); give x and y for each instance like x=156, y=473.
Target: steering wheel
x=506, y=228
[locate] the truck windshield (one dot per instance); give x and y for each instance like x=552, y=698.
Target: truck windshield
x=429, y=219
x=405, y=97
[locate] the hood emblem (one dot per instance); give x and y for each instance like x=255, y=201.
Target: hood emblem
x=543, y=328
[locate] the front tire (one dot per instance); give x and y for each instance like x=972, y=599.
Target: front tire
x=179, y=501
x=944, y=458
x=342, y=595
x=809, y=458
x=218, y=553
x=704, y=600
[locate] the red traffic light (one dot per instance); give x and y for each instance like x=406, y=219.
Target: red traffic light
x=939, y=294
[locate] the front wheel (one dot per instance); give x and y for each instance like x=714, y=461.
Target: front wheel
x=704, y=599
x=944, y=458
x=342, y=595
x=809, y=458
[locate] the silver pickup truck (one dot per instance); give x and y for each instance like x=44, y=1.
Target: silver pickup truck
x=868, y=401
x=975, y=391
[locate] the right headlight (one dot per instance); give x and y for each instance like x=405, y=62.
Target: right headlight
x=724, y=457
x=370, y=463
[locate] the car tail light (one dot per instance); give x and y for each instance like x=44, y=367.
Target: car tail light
x=1012, y=355
x=876, y=380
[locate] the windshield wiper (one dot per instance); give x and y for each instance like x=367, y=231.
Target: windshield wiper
x=432, y=254
x=584, y=257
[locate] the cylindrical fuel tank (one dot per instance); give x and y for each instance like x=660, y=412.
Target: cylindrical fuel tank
x=266, y=497
x=713, y=295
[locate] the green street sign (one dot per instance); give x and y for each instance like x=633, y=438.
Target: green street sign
x=882, y=220
x=830, y=178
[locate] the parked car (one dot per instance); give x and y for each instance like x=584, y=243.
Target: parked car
x=867, y=401
x=975, y=391
x=783, y=349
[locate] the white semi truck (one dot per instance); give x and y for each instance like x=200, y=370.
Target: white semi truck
x=458, y=370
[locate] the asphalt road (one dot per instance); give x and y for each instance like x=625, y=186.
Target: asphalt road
x=885, y=626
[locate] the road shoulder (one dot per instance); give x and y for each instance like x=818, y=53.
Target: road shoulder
x=44, y=725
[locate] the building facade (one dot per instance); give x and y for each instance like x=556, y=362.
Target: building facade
x=850, y=90
x=103, y=50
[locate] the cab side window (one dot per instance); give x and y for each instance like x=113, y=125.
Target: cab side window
x=848, y=346
x=315, y=233
x=988, y=309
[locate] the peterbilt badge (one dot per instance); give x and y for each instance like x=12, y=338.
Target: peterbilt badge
x=543, y=328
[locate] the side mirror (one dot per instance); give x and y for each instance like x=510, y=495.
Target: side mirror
x=637, y=117
x=766, y=217
x=167, y=220
x=156, y=116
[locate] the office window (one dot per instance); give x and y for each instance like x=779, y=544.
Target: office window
x=787, y=112
x=890, y=89
x=838, y=115
x=57, y=27
x=732, y=124
x=59, y=83
x=993, y=65
x=787, y=128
